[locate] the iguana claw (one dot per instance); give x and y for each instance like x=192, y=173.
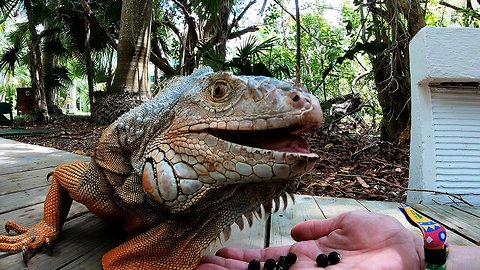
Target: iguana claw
x=24, y=256
x=49, y=248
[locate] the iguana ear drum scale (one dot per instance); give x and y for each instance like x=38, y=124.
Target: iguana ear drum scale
x=208, y=151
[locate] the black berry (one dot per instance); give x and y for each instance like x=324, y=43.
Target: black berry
x=254, y=265
x=282, y=259
x=322, y=260
x=334, y=257
x=270, y=264
x=291, y=258
x=282, y=265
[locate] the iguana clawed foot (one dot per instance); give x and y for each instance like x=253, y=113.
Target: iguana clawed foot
x=28, y=239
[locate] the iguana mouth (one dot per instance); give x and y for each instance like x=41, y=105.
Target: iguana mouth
x=281, y=140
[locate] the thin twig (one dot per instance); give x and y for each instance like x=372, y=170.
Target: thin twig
x=456, y=196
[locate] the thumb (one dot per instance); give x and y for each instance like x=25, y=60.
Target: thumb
x=313, y=229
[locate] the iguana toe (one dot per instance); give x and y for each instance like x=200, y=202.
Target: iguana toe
x=11, y=225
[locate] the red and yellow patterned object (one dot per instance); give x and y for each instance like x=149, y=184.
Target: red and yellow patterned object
x=434, y=237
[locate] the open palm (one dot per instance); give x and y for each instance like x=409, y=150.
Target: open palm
x=364, y=240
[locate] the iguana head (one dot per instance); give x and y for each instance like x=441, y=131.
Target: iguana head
x=211, y=149
x=229, y=130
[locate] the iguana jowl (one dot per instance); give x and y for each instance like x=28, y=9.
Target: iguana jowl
x=180, y=169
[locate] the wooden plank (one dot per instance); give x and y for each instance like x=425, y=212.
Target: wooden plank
x=391, y=209
x=305, y=208
x=456, y=220
x=80, y=236
x=17, y=200
x=473, y=210
x=15, y=182
x=332, y=207
x=93, y=258
x=30, y=215
x=20, y=157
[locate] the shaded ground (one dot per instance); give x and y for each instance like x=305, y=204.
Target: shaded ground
x=360, y=168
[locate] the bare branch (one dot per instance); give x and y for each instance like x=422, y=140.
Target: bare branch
x=162, y=64
x=240, y=16
x=172, y=27
x=239, y=33
x=183, y=8
x=459, y=9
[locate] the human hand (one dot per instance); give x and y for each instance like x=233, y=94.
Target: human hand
x=364, y=240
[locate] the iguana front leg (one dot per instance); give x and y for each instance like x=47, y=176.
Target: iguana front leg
x=68, y=181
x=56, y=207
x=178, y=243
x=169, y=245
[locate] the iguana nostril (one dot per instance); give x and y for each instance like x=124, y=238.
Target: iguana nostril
x=296, y=98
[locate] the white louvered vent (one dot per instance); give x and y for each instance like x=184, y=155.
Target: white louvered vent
x=456, y=135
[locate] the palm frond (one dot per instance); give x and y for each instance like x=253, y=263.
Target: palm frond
x=212, y=57
x=20, y=34
x=209, y=9
x=54, y=48
x=57, y=77
x=6, y=9
x=250, y=47
x=11, y=57
x=8, y=60
x=41, y=11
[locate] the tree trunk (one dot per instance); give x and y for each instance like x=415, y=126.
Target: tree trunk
x=130, y=85
x=224, y=27
x=88, y=62
x=391, y=68
x=35, y=63
x=134, y=48
x=298, y=45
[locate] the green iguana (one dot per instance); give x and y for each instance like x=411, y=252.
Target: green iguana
x=178, y=170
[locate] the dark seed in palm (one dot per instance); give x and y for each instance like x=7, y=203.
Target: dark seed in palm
x=322, y=260
x=282, y=265
x=291, y=258
x=254, y=265
x=334, y=257
x=270, y=264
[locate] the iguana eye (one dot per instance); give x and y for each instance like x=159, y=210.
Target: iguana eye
x=219, y=91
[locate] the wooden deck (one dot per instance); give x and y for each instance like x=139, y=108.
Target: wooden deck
x=23, y=186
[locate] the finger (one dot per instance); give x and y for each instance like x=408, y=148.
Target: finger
x=247, y=255
x=216, y=262
x=209, y=266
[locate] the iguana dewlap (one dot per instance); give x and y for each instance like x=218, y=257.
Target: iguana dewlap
x=180, y=169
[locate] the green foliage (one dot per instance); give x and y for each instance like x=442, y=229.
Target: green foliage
x=322, y=47
x=443, y=16
x=371, y=47
x=247, y=59
x=27, y=119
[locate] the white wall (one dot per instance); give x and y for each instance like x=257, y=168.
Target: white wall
x=445, y=139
